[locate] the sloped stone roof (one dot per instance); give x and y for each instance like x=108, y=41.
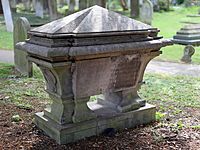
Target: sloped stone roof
x=92, y=20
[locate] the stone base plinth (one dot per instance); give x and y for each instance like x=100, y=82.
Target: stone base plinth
x=107, y=118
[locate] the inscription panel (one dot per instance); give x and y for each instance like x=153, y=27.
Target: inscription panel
x=126, y=71
x=93, y=77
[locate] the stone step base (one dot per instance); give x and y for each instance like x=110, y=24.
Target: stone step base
x=68, y=133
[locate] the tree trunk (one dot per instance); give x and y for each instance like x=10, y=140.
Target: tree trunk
x=53, y=9
x=91, y=3
x=135, y=8
x=72, y=6
x=27, y=4
x=82, y=4
x=1, y=9
x=13, y=5
x=124, y=4
x=101, y=3
x=168, y=5
x=46, y=7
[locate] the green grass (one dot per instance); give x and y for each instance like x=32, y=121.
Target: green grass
x=173, y=90
x=177, y=99
x=20, y=90
x=169, y=23
x=5, y=70
x=6, y=38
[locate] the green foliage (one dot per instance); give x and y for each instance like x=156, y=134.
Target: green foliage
x=16, y=118
x=196, y=127
x=163, y=5
x=180, y=124
x=5, y=70
x=159, y=116
x=22, y=105
x=37, y=72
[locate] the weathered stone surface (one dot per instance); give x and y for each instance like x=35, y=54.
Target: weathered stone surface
x=77, y=62
x=146, y=12
x=189, y=35
x=20, y=34
x=72, y=132
x=7, y=15
x=188, y=52
x=99, y=20
x=74, y=31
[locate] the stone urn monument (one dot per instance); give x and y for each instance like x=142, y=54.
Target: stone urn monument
x=189, y=36
x=94, y=52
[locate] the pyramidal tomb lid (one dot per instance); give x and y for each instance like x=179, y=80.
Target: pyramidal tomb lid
x=91, y=20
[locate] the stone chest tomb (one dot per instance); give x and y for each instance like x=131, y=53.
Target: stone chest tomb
x=93, y=52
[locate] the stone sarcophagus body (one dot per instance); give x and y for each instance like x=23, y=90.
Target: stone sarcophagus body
x=89, y=53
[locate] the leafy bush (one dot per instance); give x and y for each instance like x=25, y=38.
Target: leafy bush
x=163, y=5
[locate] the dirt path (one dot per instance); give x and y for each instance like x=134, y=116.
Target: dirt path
x=173, y=68
x=6, y=56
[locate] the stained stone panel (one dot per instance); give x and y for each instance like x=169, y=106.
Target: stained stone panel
x=91, y=77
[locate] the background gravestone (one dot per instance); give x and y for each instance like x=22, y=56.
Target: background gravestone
x=82, y=4
x=39, y=10
x=146, y=12
x=7, y=15
x=21, y=28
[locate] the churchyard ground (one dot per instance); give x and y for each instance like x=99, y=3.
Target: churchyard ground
x=177, y=126
x=177, y=99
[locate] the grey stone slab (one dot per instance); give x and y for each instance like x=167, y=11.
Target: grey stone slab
x=188, y=35
x=99, y=20
x=73, y=132
x=20, y=34
x=7, y=15
x=98, y=49
x=6, y=56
